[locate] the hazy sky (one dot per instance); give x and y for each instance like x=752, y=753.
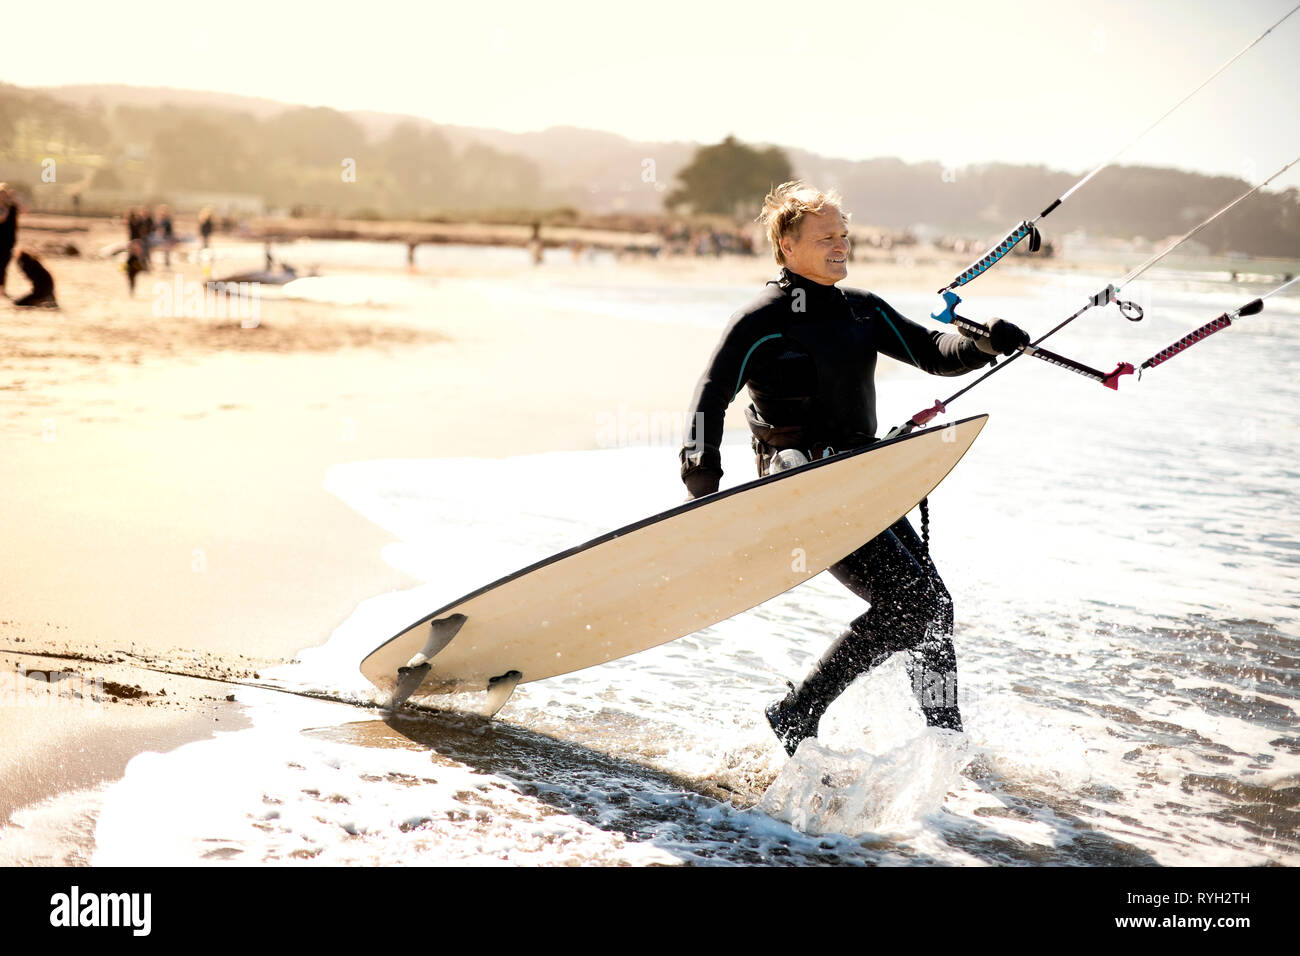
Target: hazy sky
x=957, y=81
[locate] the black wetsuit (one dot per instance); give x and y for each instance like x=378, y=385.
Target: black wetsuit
x=807, y=353
x=8, y=238
x=42, y=282
x=168, y=238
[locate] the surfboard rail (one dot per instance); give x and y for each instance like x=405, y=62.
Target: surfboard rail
x=675, y=572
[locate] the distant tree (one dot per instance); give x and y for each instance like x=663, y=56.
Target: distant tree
x=105, y=178
x=194, y=154
x=729, y=179
x=11, y=108
x=83, y=127
x=490, y=178
x=422, y=165
x=313, y=136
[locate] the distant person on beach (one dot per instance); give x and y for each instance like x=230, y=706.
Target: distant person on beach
x=168, y=234
x=136, y=233
x=134, y=263
x=205, y=225
x=807, y=351
x=535, y=243
x=42, y=293
x=146, y=235
x=8, y=230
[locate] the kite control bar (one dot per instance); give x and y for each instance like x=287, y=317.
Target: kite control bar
x=1110, y=380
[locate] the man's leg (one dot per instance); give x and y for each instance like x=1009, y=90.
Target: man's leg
x=932, y=665
x=905, y=609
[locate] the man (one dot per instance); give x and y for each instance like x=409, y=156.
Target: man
x=205, y=225
x=168, y=232
x=807, y=352
x=8, y=230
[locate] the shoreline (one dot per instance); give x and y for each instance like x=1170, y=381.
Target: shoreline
x=165, y=474
x=167, y=492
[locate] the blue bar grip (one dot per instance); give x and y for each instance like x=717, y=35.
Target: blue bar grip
x=976, y=269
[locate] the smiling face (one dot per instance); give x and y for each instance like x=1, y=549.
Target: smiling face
x=819, y=249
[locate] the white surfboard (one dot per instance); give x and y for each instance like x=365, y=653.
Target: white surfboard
x=668, y=575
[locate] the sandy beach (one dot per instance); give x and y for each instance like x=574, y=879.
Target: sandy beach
x=163, y=478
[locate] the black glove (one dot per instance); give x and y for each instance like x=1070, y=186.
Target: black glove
x=1003, y=339
x=699, y=484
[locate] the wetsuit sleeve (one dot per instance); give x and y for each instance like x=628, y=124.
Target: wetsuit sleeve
x=939, y=353
x=722, y=380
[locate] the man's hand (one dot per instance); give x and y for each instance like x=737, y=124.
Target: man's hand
x=699, y=484
x=1003, y=338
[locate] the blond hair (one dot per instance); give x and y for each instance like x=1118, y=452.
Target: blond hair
x=786, y=205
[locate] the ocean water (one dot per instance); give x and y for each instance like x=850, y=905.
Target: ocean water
x=1126, y=573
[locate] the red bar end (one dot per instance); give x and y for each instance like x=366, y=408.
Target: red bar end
x=926, y=415
x=1112, y=380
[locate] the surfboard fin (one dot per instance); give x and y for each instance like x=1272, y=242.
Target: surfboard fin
x=409, y=680
x=499, y=690
x=412, y=674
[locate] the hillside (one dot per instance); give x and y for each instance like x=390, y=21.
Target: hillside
x=116, y=142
